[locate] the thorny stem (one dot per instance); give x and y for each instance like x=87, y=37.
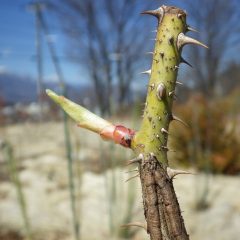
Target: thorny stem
x=88, y=120
x=153, y=134
x=161, y=208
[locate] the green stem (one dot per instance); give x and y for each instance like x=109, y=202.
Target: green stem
x=16, y=181
x=151, y=137
x=76, y=226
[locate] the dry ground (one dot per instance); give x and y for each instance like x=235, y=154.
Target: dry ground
x=39, y=149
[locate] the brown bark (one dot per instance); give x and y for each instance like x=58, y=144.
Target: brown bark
x=161, y=208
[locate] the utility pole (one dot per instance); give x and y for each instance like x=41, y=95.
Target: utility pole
x=37, y=8
x=53, y=53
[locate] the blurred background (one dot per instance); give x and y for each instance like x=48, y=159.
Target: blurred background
x=60, y=182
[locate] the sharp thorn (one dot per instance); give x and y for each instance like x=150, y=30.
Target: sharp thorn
x=176, y=67
x=153, y=39
x=190, y=29
x=138, y=159
x=154, y=13
x=151, y=53
x=179, y=120
x=136, y=224
x=183, y=40
x=180, y=15
x=182, y=60
x=152, y=86
x=154, y=31
x=171, y=150
x=172, y=94
x=132, y=177
x=135, y=160
x=180, y=83
x=158, y=13
x=165, y=148
x=148, y=72
x=173, y=172
x=163, y=130
x=152, y=155
x=134, y=170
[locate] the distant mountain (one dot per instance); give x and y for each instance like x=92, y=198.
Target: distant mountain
x=15, y=89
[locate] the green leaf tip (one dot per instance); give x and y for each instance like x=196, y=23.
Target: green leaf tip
x=52, y=95
x=81, y=115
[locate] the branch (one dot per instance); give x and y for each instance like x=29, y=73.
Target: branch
x=88, y=120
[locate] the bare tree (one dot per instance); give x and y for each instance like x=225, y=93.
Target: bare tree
x=107, y=39
x=219, y=19
x=230, y=77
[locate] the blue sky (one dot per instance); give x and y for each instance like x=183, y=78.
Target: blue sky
x=17, y=43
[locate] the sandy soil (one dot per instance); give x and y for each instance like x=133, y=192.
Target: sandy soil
x=44, y=178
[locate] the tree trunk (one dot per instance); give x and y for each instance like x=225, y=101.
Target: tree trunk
x=161, y=208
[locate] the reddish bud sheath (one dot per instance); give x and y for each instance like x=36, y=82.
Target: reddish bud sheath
x=119, y=134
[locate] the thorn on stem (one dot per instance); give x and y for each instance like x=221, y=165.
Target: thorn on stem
x=176, y=67
x=179, y=83
x=171, y=94
x=179, y=120
x=138, y=159
x=173, y=172
x=148, y=72
x=132, y=177
x=191, y=29
x=158, y=13
x=151, y=53
x=136, y=224
x=165, y=148
x=180, y=15
x=183, y=40
x=182, y=60
x=152, y=86
x=163, y=130
x=134, y=170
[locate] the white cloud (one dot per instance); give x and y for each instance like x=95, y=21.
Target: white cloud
x=5, y=52
x=3, y=69
x=52, y=38
x=52, y=78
